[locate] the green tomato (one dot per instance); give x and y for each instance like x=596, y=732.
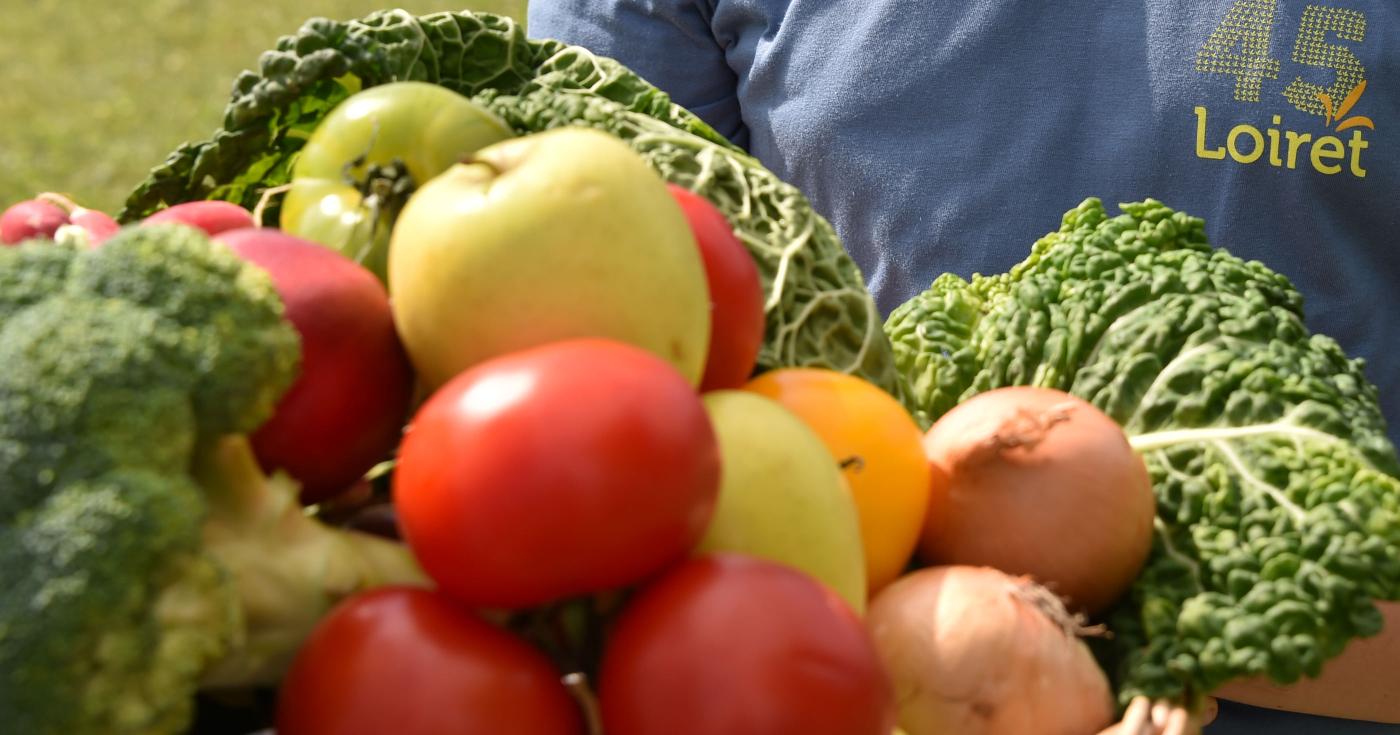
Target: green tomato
x=366, y=157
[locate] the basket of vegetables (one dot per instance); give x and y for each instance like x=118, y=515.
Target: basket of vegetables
x=461, y=382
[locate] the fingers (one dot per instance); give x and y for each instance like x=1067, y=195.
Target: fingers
x=1177, y=722
x=1209, y=711
x=1136, y=719
x=1145, y=717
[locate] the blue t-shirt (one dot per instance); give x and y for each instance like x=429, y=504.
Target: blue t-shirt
x=948, y=136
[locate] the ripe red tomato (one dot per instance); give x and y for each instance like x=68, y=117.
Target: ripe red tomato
x=411, y=662
x=735, y=645
x=736, y=294
x=562, y=470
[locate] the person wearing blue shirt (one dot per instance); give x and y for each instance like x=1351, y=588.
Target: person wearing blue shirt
x=948, y=136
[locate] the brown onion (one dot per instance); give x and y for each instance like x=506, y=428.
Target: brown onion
x=1036, y=481
x=974, y=651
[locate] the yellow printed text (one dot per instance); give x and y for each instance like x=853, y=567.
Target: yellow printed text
x=1246, y=144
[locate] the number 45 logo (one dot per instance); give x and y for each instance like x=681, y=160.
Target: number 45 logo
x=1239, y=46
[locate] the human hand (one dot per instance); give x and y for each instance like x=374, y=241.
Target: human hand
x=1145, y=717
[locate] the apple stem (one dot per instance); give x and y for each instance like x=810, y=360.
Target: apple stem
x=577, y=684
x=472, y=160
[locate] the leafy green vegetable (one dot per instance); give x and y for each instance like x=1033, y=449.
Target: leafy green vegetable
x=1278, y=498
x=819, y=311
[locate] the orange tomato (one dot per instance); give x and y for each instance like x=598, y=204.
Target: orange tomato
x=880, y=448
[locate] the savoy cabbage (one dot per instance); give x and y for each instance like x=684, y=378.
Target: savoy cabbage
x=1278, y=498
x=819, y=312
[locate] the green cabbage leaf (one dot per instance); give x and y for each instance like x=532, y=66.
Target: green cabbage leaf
x=1278, y=499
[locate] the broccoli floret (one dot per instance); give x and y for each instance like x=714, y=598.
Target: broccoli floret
x=144, y=553
x=111, y=611
x=102, y=370
x=229, y=317
x=31, y=273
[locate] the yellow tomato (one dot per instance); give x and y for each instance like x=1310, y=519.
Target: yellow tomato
x=881, y=452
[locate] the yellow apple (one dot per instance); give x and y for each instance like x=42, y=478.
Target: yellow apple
x=782, y=495
x=566, y=233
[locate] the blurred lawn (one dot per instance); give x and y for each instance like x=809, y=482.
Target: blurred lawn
x=93, y=95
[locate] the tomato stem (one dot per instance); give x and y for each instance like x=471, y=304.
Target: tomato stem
x=265, y=199
x=577, y=684
x=387, y=186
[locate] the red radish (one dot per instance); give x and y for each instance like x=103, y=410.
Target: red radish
x=735, y=645
x=212, y=216
x=98, y=224
x=1035, y=481
x=95, y=224
x=975, y=651
x=736, y=294
x=346, y=411
x=45, y=215
x=29, y=219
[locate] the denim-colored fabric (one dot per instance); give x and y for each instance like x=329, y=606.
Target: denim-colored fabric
x=1239, y=719
x=947, y=136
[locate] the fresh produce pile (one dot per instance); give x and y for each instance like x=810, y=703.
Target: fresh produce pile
x=818, y=310
x=544, y=410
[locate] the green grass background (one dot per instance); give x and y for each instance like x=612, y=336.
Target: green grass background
x=93, y=95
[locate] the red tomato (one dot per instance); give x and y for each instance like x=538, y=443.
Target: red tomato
x=736, y=294
x=562, y=470
x=411, y=662
x=734, y=645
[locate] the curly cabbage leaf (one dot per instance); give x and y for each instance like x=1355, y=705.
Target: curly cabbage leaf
x=819, y=311
x=1278, y=499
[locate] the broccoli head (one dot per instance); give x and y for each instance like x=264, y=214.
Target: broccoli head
x=89, y=383
x=234, y=342
x=143, y=552
x=110, y=611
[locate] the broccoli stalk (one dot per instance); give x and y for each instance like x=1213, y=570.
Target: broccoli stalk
x=142, y=551
x=284, y=594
